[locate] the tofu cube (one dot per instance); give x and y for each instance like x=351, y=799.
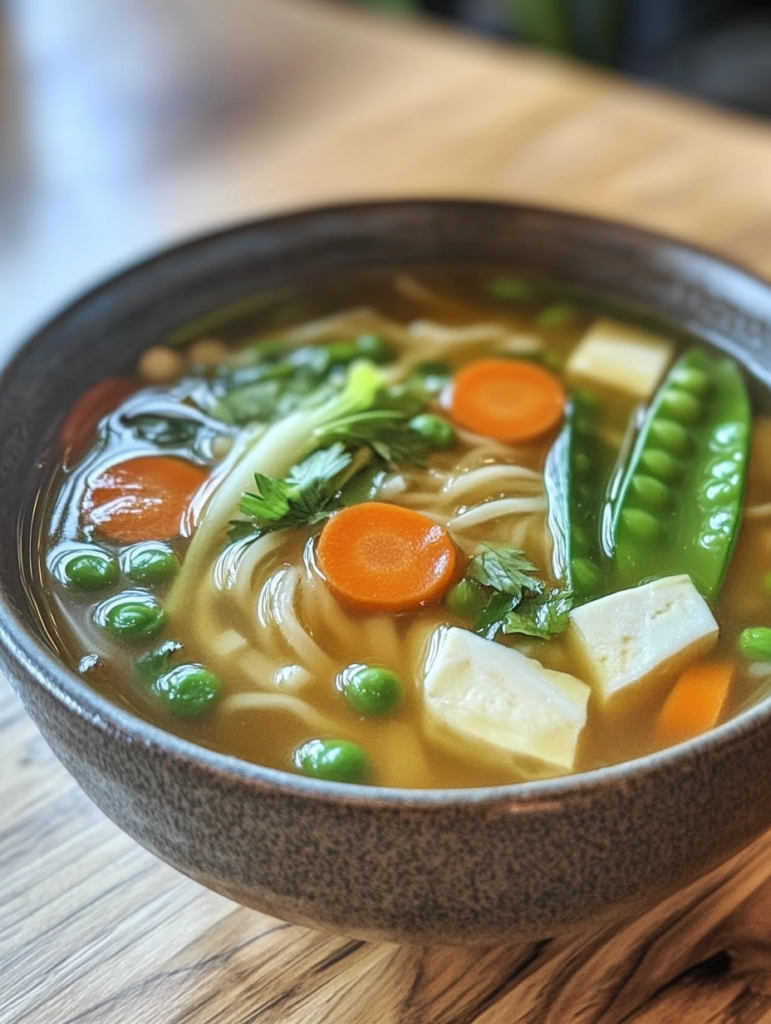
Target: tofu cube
x=505, y=706
x=634, y=639
x=619, y=356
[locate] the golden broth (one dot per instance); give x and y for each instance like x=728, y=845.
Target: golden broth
x=274, y=633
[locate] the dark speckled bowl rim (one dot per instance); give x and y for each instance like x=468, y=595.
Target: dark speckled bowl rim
x=33, y=656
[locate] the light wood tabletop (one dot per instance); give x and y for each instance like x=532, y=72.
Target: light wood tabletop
x=128, y=125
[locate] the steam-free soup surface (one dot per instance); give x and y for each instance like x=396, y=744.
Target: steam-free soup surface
x=447, y=467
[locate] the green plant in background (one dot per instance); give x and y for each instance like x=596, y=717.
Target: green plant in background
x=395, y=5
x=587, y=28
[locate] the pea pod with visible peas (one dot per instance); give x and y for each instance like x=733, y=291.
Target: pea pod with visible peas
x=576, y=476
x=677, y=506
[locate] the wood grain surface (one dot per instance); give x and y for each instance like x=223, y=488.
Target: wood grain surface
x=129, y=124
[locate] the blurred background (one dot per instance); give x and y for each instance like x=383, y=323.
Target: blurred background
x=128, y=124
x=718, y=49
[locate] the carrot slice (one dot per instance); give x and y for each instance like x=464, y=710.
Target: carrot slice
x=696, y=701
x=384, y=558
x=508, y=399
x=144, y=498
x=77, y=431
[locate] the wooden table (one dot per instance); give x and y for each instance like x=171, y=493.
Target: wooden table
x=128, y=124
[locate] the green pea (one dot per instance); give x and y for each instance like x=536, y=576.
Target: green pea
x=87, y=569
x=132, y=615
x=582, y=462
x=435, y=429
x=718, y=492
x=671, y=436
x=755, y=643
x=586, y=576
x=641, y=524
x=693, y=380
x=370, y=690
x=553, y=317
x=187, y=690
x=650, y=492
x=374, y=347
x=681, y=406
x=333, y=760
x=512, y=289
x=661, y=465
x=466, y=599
x=149, y=563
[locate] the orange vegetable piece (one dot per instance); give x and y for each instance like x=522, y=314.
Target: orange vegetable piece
x=143, y=498
x=507, y=399
x=77, y=431
x=696, y=701
x=384, y=558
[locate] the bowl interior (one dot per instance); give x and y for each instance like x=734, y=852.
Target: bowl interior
x=104, y=332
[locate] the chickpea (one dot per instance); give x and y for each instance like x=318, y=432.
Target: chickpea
x=160, y=365
x=221, y=445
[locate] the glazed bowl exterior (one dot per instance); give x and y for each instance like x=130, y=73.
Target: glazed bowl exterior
x=511, y=862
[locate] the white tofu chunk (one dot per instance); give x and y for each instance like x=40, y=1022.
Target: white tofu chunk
x=619, y=356
x=506, y=706
x=636, y=638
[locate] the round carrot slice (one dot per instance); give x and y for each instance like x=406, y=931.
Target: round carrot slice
x=384, y=558
x=507, y=399
x=143, y=498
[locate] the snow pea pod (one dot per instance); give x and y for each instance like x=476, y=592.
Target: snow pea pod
x=677, y=507
x=576, y=476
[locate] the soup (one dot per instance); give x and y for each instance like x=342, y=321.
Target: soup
x=470, y=532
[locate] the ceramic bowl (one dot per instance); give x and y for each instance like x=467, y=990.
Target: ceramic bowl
x=511, y=862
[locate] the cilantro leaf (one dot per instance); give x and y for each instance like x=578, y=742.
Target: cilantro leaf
x=271, y=501
x=322, y=465
x=386, y=431
x=310, y=493
x=505, y=569
x=517, y=601
x=543, y=616
x=494, y=614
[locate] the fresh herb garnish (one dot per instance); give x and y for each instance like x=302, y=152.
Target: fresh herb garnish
x=386, y=431
x=353, y=451
x=308, y=494
x=542, y=616
x=517, y=601
x=505, y=569
x=272, y=379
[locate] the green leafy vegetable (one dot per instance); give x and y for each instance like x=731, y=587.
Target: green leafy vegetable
x=543, y=616
x=491, y=619
x=386, y=431
x=515, y=600
x=309, y=494
x=505, y=569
